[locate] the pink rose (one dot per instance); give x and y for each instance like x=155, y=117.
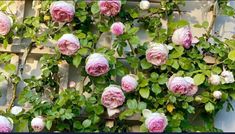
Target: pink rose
x=5, y=124
x=192, y=88
x=156, y=122
x=129, y=83
x=157, y=54
x=110, y=7
x=183, y=36
x=112, y=97
x=62, y=11
x=97, y=65
x=38, y=124
x=182, y=85
x=117, y=28
x=5, y=24
x=68, y=44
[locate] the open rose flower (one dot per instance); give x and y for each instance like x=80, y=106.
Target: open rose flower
x=192, y=88
x=5, y=124
x=183, y=36
x=5, y=24
x=156, y=122
x=62, y=11
x=157, y=54
x=182, y=85
x=38, y=124
x=144, y=4
x=97, y=65
x=112, y=97
x=227, y=76
x=129, y=83
x=110, y=7
x=68, y=44
x=117, y=28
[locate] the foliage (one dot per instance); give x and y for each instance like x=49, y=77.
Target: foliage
x=71, y=110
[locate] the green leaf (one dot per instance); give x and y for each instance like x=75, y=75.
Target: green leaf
x=86, y=123
x=142, y=105
x=199, y=79
x=133, y=30
x=145, y=64
x=126, y=113
x=162, y=79
x=95, y=8
x=5, y=43
x=209, y=107
x=77, y=125
x=83, y=51
x=49, y=124
x=205, y=24
x=231, y=55
x=10, y=68
x=144, y=92
x=132, y=104
x=156, y=89
x=77, y=60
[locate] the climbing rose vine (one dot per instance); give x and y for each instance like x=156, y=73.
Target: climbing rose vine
x=166, y=83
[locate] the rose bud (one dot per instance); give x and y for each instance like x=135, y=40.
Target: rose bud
x=156, y=122
x=62, y=11
x=117, y=28
x=157, y=54
x=217, y=94
x=38, y=124
x=16, y=110
x=68, y=44
x=183, y=36
x=144, y=4
x=192, y=88
x=5, y=24
x=198, y=99
x=109, y=7
x=5, y=124
x=112, y=97
x=227, y=76
x=97, y=65
x=214, y=79
x=129, y=83
x=72, y=84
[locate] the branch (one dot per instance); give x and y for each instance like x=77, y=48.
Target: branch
x=13, y=97
x=213, y=19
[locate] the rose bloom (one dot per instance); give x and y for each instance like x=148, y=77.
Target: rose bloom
x=112, y=97
x=183, y=36
x=62, y=11
x=182, y=85
x=68, y=44
x=156, y=122
x=217, y=94
x=5, y=24
x=214, y=79
x=177, y=85
x=117, y=28
x=38, y=124
x=97, y=65
x=129, y=83
x=16, y=110
x=110, y=7
x=157, y=54
x=5, y=124
x=192, y=88
x=144, y=4
x=228, y=76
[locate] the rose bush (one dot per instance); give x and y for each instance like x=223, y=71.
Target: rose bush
x=178, y=77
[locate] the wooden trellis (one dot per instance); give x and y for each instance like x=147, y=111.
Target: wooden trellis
x=18, y=47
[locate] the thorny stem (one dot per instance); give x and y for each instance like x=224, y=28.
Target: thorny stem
x=13, y=97
x=212, y=20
